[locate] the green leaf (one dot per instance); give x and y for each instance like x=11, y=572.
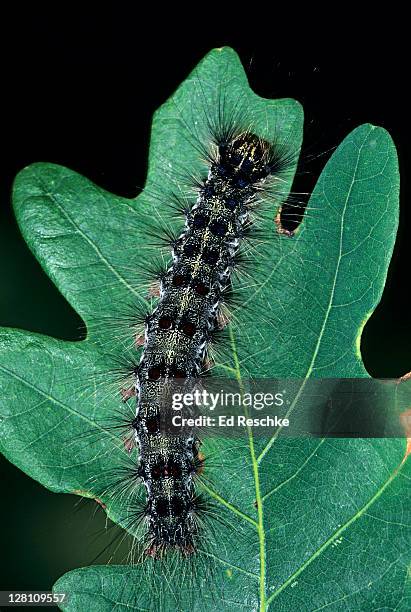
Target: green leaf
x=315, y=524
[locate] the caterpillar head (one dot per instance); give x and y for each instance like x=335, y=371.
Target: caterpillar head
x=245, y=158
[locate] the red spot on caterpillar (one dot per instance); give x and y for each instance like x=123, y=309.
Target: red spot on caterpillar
x=177, y=373
x=178, y=280
x=129, y=443
x=151, y=551
x=200, y=288
x=222, y=320
x=188, y=550
x=188, y=329
x=165, y=323
x=154, y=373
x=100, y=503
x=200, y=459
x=208, y=363
x=127, y=394
x=154, y=290
x=152, y=424
x=139, y=341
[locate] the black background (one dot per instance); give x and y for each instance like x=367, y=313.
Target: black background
x=79, y=88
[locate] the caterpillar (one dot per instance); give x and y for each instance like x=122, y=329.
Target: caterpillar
x=243, y=166
x=185, y=321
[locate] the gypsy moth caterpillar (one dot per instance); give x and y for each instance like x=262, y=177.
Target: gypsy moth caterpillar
x=246, y=174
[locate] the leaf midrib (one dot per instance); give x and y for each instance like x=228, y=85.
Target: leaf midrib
x=259, y=501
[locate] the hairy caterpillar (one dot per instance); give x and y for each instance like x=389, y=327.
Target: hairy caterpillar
x=187, y=317
x=178, y=333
